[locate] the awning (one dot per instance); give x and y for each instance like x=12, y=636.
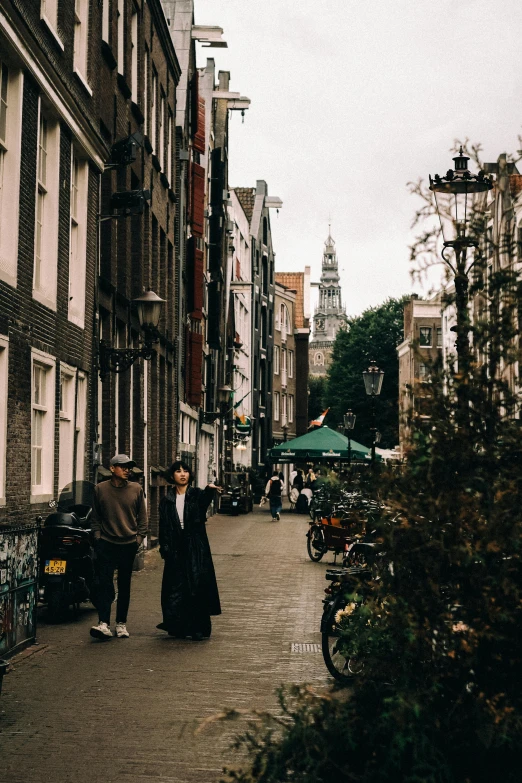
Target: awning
x=321, y=444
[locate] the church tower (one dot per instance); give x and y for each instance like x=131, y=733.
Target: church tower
x=330, y=315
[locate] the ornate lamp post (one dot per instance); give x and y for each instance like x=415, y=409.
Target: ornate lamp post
x=349, y=424
x=454, y=201
x=120, y=359
x=373, y=378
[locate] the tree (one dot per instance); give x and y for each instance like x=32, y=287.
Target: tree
x=372, y=336
x=317, y=400
x=439, y=698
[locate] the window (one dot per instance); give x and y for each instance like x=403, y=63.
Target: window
x=276, y=359
x=153, y=97
x=423, y=372
x=439, y=337
x=81, y=25
x=284, y=417
x=319, y=359
x=290, y=364
x=4, y=345
x=4, y=80
x=121, y=36
x=11, y=84
x=276, y=406
x=49, y=16
x=46, y=224
x=290, y=408
x=161, y=131
x=78, y=241
x=278, y=319
x=285, y=322
x=134, y=54
x=283, y=366
x=106, y=20
x=81, y=409
x=146, y=89
x=67, y=425
x=425, y=336
x=42, y=427
x=169, y=173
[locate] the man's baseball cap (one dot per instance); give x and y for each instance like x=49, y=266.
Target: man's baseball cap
x=122, y=459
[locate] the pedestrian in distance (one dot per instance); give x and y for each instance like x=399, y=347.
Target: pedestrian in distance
x=274, y=491
x=189, y=591
x=119, y=526
x=310, y=478
x=298, y=480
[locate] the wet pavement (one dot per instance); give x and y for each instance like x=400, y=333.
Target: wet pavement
x=74, y=709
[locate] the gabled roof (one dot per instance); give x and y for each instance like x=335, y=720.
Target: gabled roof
x=247, y=197
x=295, y=282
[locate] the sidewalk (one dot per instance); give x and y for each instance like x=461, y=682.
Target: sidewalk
x=80, y=710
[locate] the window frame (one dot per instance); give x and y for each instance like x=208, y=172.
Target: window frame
x=67, y=424
x=277, y=359
x=78, y=238
x=120, y=59
x=423, y=344
x=106, y=21
x=80, y=424
x=134, y=36
x=81, y=42
x=10, y=168
x=277, y=408
x=43, y=492
x=45, y=254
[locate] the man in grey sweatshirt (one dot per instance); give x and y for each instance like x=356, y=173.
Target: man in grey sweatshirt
x=119, y=527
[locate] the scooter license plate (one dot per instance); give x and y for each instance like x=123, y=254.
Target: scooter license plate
x=55, y=566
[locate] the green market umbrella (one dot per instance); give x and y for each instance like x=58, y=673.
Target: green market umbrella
x=320, y=444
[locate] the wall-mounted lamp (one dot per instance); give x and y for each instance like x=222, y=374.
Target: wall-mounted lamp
x=120, y=359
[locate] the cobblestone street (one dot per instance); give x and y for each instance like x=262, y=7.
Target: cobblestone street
x=126, y=710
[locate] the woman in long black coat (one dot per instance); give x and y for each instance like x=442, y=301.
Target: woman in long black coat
x=189, y=592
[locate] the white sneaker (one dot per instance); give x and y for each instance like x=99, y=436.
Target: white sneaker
x=277, y=516
x=101, y=631
x=121, y=631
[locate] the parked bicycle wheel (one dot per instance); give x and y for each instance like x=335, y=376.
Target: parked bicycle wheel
x=342, y=668
x=315, y=543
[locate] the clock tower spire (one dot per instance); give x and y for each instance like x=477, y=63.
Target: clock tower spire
x=330, y=315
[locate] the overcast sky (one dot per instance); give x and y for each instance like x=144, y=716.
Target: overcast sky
x=350, y=101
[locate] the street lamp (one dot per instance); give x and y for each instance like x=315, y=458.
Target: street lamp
x=349, y=424
x=285, y=432
x=456, y=209
x=373, y=378
x=120, y=359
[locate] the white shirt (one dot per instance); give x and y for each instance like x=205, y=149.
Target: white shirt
x=267, y=488
x=180, y=507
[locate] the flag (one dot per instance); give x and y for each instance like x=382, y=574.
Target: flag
x=319, y=421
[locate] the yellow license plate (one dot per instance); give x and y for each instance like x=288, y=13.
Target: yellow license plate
x=55, y=566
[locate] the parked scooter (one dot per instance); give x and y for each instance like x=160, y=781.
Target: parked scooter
x=66, y=553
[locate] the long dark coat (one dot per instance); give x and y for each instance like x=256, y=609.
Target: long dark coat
x=189, y=593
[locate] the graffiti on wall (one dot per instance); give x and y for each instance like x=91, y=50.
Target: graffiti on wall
x=18, y=587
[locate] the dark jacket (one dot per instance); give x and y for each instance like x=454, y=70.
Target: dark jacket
x=186, y=550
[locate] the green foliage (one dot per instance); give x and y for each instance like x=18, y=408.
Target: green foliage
x=317, y=399
x=438, y=624
x=372, y=336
